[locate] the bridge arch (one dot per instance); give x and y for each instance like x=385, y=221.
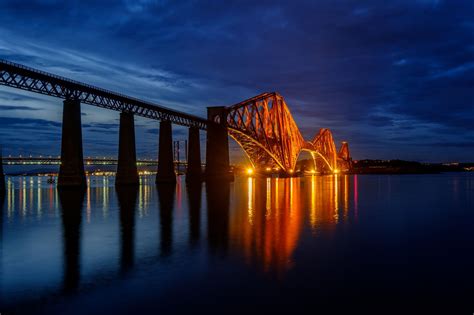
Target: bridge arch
x=315, y=153
x=250, y=145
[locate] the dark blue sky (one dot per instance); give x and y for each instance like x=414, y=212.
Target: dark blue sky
x=394, y=78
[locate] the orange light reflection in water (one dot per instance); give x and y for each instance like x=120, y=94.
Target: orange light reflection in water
x=356, y=195
x=270, y=216
x=179, y=197
x=267, y=216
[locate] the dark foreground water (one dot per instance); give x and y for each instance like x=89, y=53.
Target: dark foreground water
x=316, y=245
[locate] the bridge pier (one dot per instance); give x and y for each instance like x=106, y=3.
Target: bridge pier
x=217, y=146
x=194, y=171
x=127, y=173
x=71, y=170
x=166, y=173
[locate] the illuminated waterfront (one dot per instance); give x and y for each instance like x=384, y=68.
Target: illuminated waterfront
x=273, y=243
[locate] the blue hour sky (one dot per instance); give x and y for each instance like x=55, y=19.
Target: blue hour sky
x=393, y=78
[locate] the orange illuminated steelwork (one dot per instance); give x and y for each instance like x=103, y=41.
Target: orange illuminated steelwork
x=264, y=127
x=344, y=157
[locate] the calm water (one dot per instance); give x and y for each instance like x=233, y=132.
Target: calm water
x=315, y=245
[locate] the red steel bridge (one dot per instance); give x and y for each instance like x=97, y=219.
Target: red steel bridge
x=266, y=130
x=263, y=126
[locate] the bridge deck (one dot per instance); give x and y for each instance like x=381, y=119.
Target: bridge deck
x=29, y=79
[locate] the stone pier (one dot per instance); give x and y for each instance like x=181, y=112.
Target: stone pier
x=127, y=173
x=71, y=170
x=194, y=171
x=217, y=146
x=166, y=173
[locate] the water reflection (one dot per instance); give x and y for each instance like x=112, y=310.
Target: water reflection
x=258, y=220
x=2, y=200
x=265, y=224
x=269, y=217
x=356, y=195
x=147, y=185
x=166, y=194
x=268, y=231
x=329, y=200
x=306, y=236
x=194, y=191
x=218, y=199
x=27, y=196
x=127, y=199
x=71, y=201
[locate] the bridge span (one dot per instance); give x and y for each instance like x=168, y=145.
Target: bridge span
x=263, y=126
x=56, y=160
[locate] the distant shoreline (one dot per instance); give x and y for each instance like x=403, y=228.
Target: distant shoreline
x=359, y=167
x=407, y=167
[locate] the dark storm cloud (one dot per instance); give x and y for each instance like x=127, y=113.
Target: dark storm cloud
x=371, y=71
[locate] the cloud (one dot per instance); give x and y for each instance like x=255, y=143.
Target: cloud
x=370, y=71
x=380, y=120
x=12, y=107
x=27, y=123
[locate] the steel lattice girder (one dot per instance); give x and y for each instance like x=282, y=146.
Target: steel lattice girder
x=28, y=79
x=264, y=127
x=344, y=159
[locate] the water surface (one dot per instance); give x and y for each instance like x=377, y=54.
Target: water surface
x=323, y=244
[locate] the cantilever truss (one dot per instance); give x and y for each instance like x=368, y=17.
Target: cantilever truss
x=344, y=157
x=264, y=127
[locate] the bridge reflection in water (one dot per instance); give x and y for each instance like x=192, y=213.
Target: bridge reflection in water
x=278, y=210
x=106, y=232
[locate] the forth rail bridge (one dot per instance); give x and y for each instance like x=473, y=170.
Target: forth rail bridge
x=263, y=126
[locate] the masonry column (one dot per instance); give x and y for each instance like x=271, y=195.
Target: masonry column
x=127, y=173
x=71, y=171
x=193, y=172
x=165, y=172
x=217, y=145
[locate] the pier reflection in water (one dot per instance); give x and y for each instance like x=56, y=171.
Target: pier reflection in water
x=62, y=242
x=127, y=198
x=71, y=214
x=166, y=194
x=194, y=192
x=217, y=195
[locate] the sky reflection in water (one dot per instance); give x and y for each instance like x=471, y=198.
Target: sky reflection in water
x=324, y=235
